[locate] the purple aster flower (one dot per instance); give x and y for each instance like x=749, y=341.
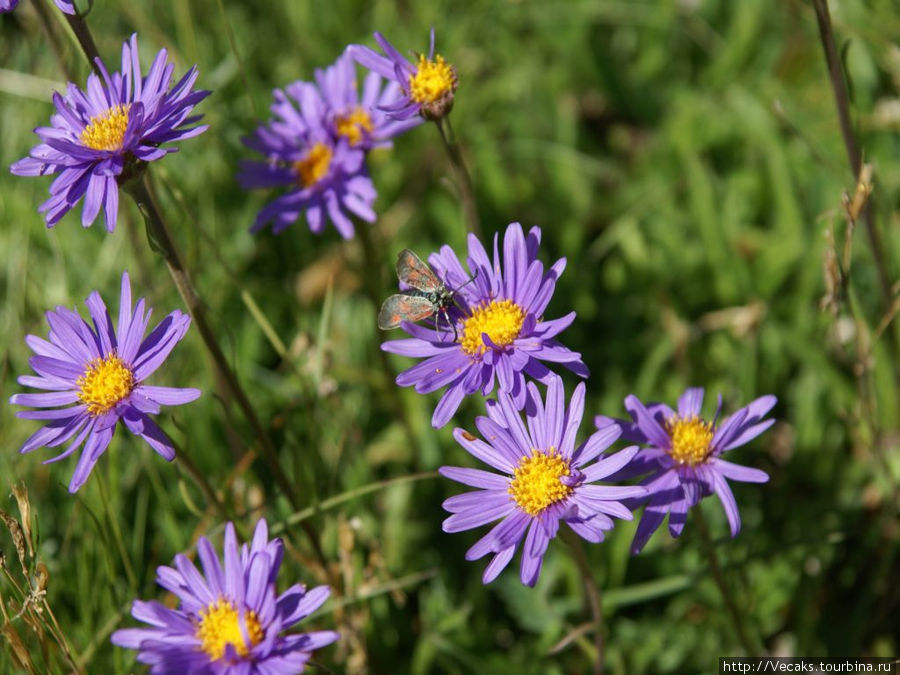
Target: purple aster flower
x=356, y=116
x=428, y=85
x=495, y=328
x=8, y=5
x=544, y=479
x=103, y=136
x=229, y=618
x=94, y=375
x=325, y=173
x=684, y=457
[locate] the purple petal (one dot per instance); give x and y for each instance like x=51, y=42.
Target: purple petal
x=728, y=503
x=168, y=395
x=95, y=446
x=475, y=477
x=646, y=423
x=743, y=474
x=690, y=402
x=498, y=564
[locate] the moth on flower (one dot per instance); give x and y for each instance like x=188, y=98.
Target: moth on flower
x=425, y=296
x=495, y=332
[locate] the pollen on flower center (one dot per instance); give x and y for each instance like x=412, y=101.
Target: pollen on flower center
x=691, y=438
x=105, y=382
x=536, y=485
x=354, y=126
x=106, y=131
x=432, y=81
x=220, y=625
x=500, y=319
x=314, y=166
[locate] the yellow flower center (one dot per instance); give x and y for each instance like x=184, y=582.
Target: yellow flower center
x=220, y=625
x=312, y=168
x=105, y=382
x=536, y=485
x=354, y=126
x=106, y=131
x=500, y=319
x=690, y=439
x=432, y=80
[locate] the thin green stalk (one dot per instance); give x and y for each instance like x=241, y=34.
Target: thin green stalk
x=463, y=179
x=184, y=460
x=234, y=50
x=712, y=557
x=337, y=500
x=592, y=592
x=113, y=520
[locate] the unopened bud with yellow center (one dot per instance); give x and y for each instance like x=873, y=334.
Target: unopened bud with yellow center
x=314, y=166
x=432, y=86
x=105, y=382
x=502, y=321
x=691, y=438
x=106, y=131
x=355, y=126
x=220, y=625
x=536, y=481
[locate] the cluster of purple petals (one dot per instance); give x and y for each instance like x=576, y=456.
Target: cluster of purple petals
x=246, y=578
x=392, y=65
x=673, y=488
x=157, y=114
x=305, y=117
x=550, y=427
x=61, y=359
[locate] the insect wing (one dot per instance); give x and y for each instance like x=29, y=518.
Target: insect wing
x=400, y=307
x=412, y=271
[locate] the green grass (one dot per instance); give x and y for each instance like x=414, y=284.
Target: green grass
x=684, y=156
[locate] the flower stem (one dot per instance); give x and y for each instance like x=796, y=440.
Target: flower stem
x=161, y=241
x=592, y=591
x=85, y=39
x=113, y=523
x=464, y=180
x=709, y=551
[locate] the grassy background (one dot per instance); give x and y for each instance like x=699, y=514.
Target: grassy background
x=685, y=157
